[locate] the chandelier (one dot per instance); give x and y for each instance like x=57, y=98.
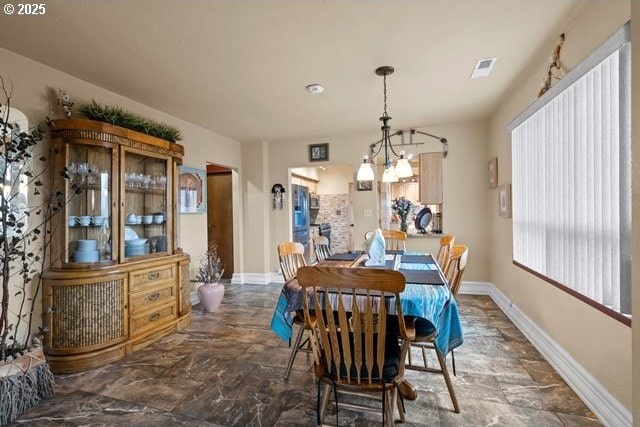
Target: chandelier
x=402, y=168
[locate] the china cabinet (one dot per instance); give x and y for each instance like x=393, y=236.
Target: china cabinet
x=116, y=282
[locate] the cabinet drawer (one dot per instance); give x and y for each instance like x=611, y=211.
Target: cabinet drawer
x=146, y=300
x=147, y=278
x=152, y=319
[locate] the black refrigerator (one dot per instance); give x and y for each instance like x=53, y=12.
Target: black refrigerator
x=300, y=212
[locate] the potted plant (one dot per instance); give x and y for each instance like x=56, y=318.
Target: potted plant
x=26, y=210
x=209, y=273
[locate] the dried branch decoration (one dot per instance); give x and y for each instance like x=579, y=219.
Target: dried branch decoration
x=555, y=70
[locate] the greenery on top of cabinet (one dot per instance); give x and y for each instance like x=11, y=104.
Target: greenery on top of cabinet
x=120, y=117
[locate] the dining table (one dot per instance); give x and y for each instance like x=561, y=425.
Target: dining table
x=426, y=297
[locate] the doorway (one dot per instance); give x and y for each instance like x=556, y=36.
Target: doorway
x=220, y=214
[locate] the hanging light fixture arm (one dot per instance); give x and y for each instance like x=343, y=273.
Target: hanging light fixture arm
x=445, y=143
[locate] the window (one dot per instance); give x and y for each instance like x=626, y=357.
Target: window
x=571, y=159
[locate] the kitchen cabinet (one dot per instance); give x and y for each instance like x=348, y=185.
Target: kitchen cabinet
x=408, y=190
x=430, y=178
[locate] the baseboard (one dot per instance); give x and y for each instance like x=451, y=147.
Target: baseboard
x=256, y=278
x=193, y=298
x=603, y=404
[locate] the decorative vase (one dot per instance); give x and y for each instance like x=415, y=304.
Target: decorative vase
x=211, y=295
x=25, y=381
x=403, y=224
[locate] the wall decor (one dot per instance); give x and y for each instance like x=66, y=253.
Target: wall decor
x=193, y=190
x=504, y=200
x=365, y=185
x=493, y=172
x=276, y=192
x=319, y=152
x=555, y=70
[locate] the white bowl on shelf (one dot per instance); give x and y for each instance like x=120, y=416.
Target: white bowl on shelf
x=135, y=242
x=129, y=234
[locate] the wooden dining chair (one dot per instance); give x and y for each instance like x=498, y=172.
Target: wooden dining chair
x=446, y=243
x=455, y=267
x=353, y=353
x=394, y=240
x=291, y=255
x=455, y=270
x=321, y=248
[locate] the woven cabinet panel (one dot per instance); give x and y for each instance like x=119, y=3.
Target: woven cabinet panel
x=88, y=314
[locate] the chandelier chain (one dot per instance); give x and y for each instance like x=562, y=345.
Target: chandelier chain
x=385, y=95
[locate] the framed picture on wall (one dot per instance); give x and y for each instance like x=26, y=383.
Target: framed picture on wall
x=365, y=185
x=504, y=200
x=493, y=172
x=192, y=194
x=319, y=152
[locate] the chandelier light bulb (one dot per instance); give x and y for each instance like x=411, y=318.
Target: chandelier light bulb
x=403, y=167
x=365, y=172
x=389, y=175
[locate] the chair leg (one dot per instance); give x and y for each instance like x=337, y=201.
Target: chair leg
x=399, y=404
x=453, y=363
x=325, y=402
x=447, y=379
x=294, y=351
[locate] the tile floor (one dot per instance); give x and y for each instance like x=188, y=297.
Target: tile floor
x=226, y=370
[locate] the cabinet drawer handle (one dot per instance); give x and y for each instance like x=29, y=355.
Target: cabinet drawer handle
x=154, y=316
x=153, y=276
x=154, y=296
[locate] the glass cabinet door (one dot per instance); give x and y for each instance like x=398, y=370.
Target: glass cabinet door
x=89, y=216
x=145, y=205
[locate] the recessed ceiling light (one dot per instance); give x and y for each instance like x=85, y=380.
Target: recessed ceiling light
x=483, y=67
x=315, y=88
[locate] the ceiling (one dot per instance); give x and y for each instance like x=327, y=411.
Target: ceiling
x=240, y=68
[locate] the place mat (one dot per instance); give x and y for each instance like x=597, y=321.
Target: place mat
x=418, y=259
x=394, y=252
x=346, y=256
x=422, y=277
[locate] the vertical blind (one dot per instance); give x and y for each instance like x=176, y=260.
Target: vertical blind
x=571, y=185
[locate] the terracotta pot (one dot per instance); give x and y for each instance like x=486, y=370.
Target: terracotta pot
x=211, y=295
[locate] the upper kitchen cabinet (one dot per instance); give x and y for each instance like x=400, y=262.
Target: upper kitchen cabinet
x=431, y=178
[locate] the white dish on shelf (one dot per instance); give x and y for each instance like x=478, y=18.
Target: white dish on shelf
x=87, y=245
x=129, y=234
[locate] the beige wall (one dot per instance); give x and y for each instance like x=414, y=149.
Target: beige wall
x=335, y=179
x=597, y=342
x=464, y=172
x=635, y=274
x=31, y=93
x=257, y=203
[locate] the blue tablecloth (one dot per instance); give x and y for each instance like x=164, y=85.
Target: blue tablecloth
x=433, y=306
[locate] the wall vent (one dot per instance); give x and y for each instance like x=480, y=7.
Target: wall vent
x=483, y=67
